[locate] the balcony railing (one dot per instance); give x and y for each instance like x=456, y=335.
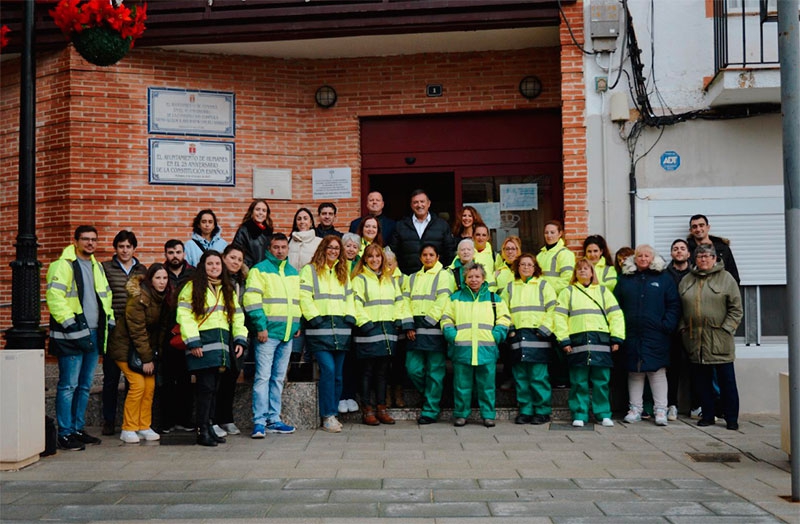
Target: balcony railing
x=745, y=34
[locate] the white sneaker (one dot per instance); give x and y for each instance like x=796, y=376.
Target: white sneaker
x=634, y=415
x=148, y=434
x=672, y=413
x=343, y=406
x=577, y=423
x=331, y=425
x=219, y=431
x=129, y=437
x=352, y=406
x=661, y=417
x=696, y=413
x=230, y=428
x=607, y=423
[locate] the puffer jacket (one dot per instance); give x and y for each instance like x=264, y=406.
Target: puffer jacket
x=118, y=280
x=712, y=310
x=649, y=299
x=302, y=245
x=144, y=324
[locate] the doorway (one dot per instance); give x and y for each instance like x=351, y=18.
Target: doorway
x=396, y=189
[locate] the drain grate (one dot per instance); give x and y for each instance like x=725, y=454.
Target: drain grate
x=715, y=457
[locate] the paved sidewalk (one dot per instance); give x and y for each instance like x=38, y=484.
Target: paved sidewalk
x=429, y=474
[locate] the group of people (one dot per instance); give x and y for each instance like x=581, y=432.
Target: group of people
x=371, y=306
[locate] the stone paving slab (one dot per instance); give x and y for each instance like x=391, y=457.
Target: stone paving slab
x=440, y=509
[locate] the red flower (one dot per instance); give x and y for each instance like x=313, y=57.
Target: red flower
x=3, y=38
x=76, y=15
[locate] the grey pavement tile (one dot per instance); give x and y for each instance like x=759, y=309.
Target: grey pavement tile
x=576, y=508
x=698, y=495
x=439, y=509
x=204, y=511
x=647, y=507
x=452, y=483
x=474, y=495
x=494, y=520
x=7, y=497
x=646, y=519
x=119, y=512
x=317, y=483
x=125, y=486
x=592, y=494
x=65, y=486
x=550, y=483
x=381, y=495
x=627, y=484
x=736, y=508
x=24, y=512
x=716, y=519
x=274, y=496
x=377, y=454
x=183, y=497
x=235, y=484
x=59, y=499
x=354, y=510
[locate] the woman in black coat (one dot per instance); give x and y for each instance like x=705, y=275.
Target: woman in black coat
x=649, y=299
x=254, y=232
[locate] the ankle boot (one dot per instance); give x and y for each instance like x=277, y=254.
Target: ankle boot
x=204, y=439
x=399, y=402
x=368, y=416
x=383, y=415
x=213, y=435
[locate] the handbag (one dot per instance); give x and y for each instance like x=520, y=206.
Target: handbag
x=135, y=361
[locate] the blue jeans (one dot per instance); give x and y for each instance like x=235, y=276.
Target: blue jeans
x=272, y=359
x=75, y=375
x=330, y=381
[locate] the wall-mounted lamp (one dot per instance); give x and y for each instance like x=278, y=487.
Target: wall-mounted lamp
x=325, y=96
x=530, y=87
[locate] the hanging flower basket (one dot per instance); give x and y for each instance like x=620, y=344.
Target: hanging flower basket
x=101, y=46
x=102, y=31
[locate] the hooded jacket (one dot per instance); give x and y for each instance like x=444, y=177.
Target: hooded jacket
x=474, y=324
x=723, y=248
x=649, y=299
x=272, y=298
x=532, y=305
x=427, y=293
x=712, y=310
x=69, y=332
x=302, y=246
x=193, y=252
x=143, y=325
x=558, y=264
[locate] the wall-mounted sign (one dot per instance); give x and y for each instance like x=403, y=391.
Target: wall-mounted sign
x=331, y=182
x=670, y=160
x=272, y=184
x=519, y=197
x=490, y=212
x=192, y=162
x=184, y=112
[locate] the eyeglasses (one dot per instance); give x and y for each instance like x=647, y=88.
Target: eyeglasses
x=88, y=239
x=510, y=248
x=705, y=256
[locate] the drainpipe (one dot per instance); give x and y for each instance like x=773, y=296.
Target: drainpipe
x=632, y=198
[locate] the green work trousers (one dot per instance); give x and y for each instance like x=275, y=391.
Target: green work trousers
x=464, y=376
x=580, y=378
x=426, y=371
x=534, y=394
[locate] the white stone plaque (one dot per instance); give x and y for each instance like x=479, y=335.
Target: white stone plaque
x=184, y=112
x=272, y=184
x=192, y=162
x=331, y=182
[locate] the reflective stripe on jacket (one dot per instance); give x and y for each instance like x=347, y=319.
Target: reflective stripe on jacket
x=380, y=311
x=328, y=308
x=468, y=325
x=427, y=293
x=580, y=322
x=606, y=275
x=69, y=333
x=214, y=335
x=557, y=265
x=532, y=308
x=272, y=298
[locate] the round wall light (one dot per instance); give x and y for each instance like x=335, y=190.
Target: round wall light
x=530, y=87
x=325, y=96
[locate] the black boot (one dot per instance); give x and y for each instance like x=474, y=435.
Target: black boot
x=213, y=435
x=204, y=438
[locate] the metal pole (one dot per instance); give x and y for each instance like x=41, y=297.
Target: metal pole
x=25, y=294
x=789, y=53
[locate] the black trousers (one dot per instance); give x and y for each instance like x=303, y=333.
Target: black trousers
x=205, y=395
x=174, y=391
x=373, y=378
x=111, y=374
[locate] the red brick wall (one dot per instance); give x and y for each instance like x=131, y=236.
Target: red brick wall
x=92, y=136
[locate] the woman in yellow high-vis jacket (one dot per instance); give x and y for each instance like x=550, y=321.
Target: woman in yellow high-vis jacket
x=531, y=302
x=427, y=292
x=212, y=322
x=475, y=321
x=589, y=327
x=595, y=249
x=326, y=301
x=380, y=314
